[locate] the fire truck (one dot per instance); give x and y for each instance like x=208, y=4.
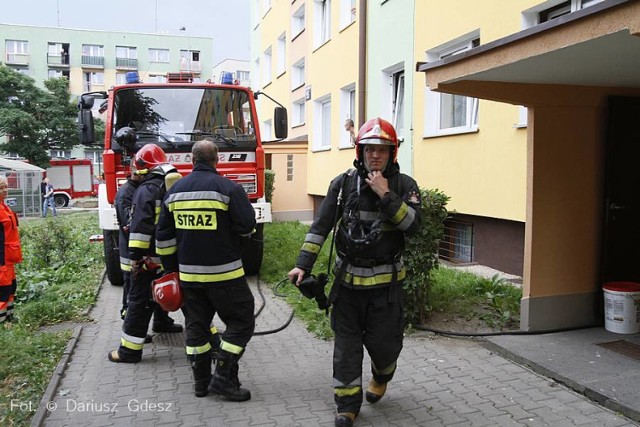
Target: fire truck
x=174, y=115
x=71, y=179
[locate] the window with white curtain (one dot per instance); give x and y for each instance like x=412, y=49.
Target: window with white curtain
x=347, y=111
x=282, y=54
x=322, y=21
x=347, y=12
x=298, y=111
x=297, y=22
x=398, y=103
x=322, y=124
x=266, y=67
x=446, y=113
x=297, y=74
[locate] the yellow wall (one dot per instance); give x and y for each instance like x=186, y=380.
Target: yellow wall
x=330, y=67
x=484, y=172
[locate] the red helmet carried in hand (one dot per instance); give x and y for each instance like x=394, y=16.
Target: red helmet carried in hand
x=150, y=156
x=166, y=291
x=377, y=132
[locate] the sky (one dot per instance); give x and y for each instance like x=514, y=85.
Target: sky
x=227, y=21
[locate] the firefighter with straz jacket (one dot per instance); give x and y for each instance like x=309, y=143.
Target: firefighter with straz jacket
x=376, y=207
x=202, y=220
x=151, y=162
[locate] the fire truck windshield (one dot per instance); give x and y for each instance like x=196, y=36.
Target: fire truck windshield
x=174, y=117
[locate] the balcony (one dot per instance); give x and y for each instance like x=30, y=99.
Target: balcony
x=17, y=58
x=190, y=66
x=58, y=60
x=92, y=61
x=126, y=64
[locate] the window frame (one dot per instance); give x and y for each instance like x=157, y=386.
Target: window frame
x=322, y=22
x=297, y=22
x=298, y=111
x=434, y=101
x=322, y=124
x=298, y=74
x=281, y=58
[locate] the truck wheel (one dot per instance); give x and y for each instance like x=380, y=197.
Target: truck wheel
x=61, y=201
x=252, y=251
x=112, y=257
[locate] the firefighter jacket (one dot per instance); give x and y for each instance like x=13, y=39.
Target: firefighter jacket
x=145, y=209
x=371, y=230
x=123, y=201
x=10, y=248
x=203, y=218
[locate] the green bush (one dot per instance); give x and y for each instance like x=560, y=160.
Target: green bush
x=421, y=255
x=269, y=179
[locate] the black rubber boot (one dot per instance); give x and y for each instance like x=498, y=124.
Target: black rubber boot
x=201, y=367
x=225, y=381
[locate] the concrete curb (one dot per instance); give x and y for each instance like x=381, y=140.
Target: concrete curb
x=50, y=391
x=56, y=376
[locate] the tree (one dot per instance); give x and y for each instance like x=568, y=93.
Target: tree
x=35, y=120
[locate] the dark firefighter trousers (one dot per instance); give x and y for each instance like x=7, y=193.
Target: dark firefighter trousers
x=140, y=308
x=234, y=304
x=369, y=318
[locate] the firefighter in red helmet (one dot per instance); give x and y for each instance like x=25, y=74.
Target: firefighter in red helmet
x=151, y=162
x=375, y=206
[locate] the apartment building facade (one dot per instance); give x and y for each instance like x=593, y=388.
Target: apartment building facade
x=96, y=60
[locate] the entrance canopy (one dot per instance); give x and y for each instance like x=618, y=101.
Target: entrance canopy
x=597, y=46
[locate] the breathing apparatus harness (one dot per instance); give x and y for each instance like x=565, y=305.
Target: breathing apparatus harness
x=313, y=286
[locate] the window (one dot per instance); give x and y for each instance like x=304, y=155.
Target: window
x=282, y=54
x=58, y=53
x=447, y=114
x=54, y=74
x=522, y=117
x=347, y=12
x=398, y=103
x=266, y=67
x=266, y=130
x=347, y=111
x=91, y=80
x=121, y=78
x=157, y=78
x=457, y=244
x=17, y=51
x=297, y=74
x=322, y=124
x=552, y=9
x=266, y=6
x=289, y=167
x=158, y=55
x=126, y=57
x=321, y=22
x=94, y=156
x=92, y=55
x=297, y=22
x=189, y=60
x=243, y=75
x=297, y=109
x=60, y=154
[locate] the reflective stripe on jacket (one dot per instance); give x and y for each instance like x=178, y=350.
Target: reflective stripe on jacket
x=202, y=221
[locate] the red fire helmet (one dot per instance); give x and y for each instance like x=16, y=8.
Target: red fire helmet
x=166, y=291
x=377, y=132
x=150, y=156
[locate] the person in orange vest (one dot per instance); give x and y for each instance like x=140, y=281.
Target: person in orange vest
x=10, y=253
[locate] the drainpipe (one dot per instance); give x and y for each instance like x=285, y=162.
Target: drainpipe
x=362, y=63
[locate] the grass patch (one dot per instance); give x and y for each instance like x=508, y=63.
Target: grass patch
x=57, y=282
x=495, y=301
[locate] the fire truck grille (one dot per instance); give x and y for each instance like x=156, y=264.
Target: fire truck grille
x=249, y=182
